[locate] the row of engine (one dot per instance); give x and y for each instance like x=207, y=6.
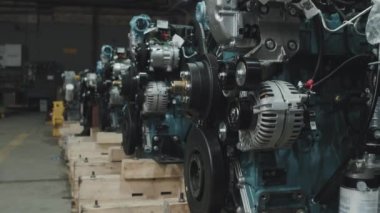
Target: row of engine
x=271, y=105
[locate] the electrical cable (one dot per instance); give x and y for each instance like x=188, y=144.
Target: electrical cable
x=320, y=35
x=339, y=68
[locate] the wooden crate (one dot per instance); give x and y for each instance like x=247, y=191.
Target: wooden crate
x=81, y=169
x=92, y=167
x=112, y=187
x=100, y=173
x=89, y=150
x=108, y=137
x=141, y=169
x=141, y=179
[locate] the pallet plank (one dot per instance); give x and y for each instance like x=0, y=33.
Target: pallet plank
x=148, y=169
x=112, y=187
x=140, y=206
x=108, y=137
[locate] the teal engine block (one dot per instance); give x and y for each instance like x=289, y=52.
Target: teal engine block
x=292, y=92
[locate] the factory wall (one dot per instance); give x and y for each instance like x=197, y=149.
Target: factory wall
x=69, y=44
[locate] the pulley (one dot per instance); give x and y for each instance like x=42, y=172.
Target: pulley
x=205, y=94
x=248, y=73
x=130, y=130
x=130, y=84
x=240, y=114
x=205, y=172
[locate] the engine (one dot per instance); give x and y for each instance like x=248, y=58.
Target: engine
x=114, y=64
x=88, y=90
x=154, y=122
x=274, y=88
x=71, y=95
x=272, y=105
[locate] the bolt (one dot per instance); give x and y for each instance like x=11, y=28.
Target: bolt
x=185, y=74
x=222, y=76
x=86, y=160
x=270, y=44
x=181, y=197
x=93, y=174
x=155, y=148
x=264, y=9
x=292, y=45
x=234, y=114
x=292, y=11
x=156, y=138
x=222, y=133
x=300, y=211
x=175, y=138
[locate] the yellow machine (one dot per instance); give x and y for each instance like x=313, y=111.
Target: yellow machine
x=57, y=117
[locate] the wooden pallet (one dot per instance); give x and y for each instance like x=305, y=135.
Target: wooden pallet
x=104, y=179
x=87, y=147
x=141, y=179
x=83, y=168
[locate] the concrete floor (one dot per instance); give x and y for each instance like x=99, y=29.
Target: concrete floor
x=32, y=173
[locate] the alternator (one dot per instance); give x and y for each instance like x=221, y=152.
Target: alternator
x=278, y=117
x=156, y=98
x=91, y=80
x=121, y=68
x=164, y=57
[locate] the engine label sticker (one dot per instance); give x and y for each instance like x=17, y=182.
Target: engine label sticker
x=309, y=8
